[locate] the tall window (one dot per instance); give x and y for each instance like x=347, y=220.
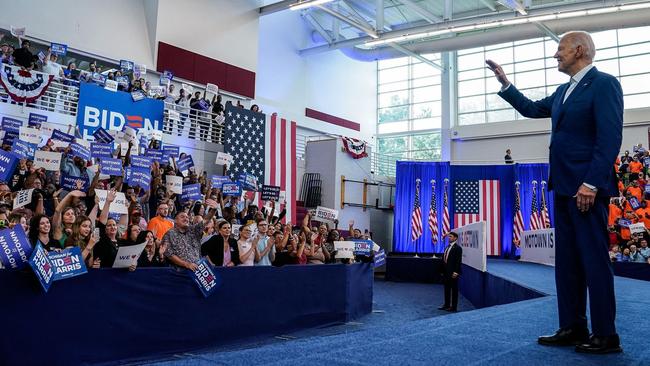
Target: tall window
x=409, y=109
x=529, y=64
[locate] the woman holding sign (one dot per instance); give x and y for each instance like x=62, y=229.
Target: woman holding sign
x=108, y=243
x=64, y=216
x=82, y=237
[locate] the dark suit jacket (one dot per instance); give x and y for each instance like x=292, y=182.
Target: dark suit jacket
x=586, y=131
x=213, y=248
x=454, y=260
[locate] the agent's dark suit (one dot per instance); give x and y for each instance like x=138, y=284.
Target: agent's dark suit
x=585, y=140
x=451, y=262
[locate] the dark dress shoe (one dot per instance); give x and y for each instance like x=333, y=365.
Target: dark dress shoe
x=452, y=310
x=565, y=337
x=443, y=307
x=601, y=345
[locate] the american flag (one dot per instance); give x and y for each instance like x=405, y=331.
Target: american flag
x=433, y=214
x=546, y=219
x=535, y=219
x=446, y=226
x=416, y=217
x=265, y=150
x=479, y=200
x=518, y=220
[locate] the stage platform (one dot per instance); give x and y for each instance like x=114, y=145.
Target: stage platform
x=497, y=335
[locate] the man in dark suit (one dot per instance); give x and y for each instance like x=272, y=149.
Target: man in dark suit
x=586, y=132
x=451, y=268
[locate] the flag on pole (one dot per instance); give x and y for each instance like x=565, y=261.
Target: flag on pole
x=535, y=219
x=416, y=217
x=479, y=200
x=518, y=220
x=446, y=226
x=433, y=214
x=546, y=219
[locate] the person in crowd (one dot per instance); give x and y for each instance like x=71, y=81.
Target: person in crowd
x=109, y=239
x=152, y=255
x=644, y=250
x=328, y=245
x=81, y=236
x=615, y=253
x=51, y=66
x=625, y=257
x=635, y=255
x=183, y=108
x=160, y=224
x=40, y=232
x=451, y=271
x=256, y=108
x=582, y=179
x=297, y=245
x=265, y=253
x=221, y=249
x=64, y=216
x=23, y=56
x=282, y=246
x=508, y=157
x=247, y=245
x=183, y=241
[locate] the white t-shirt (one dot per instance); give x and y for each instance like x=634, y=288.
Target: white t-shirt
x=53, y=68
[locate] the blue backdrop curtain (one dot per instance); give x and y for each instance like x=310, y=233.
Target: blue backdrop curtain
x=408, y=172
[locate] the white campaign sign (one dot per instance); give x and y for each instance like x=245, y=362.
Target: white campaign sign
x=23, y=198
x=129, y=134
x=538, y=246
x=324, y=214
x=211, y=88
x=473, y=241
x=637, y=228
x=235, y=230
x=156, y=135
x=48, y=160
x=126, y=256
x=174, y=184
x=189, y=89
x=118, y=206
x=344, y=249
x=223, y=158
x=30, y=134
x=47, y=128
x=110, y=85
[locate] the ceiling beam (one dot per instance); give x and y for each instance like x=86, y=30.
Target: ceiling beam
x=548, y=31
x=408, y=52
x=379, y=15
x=319, y=28
x=421, y=11
x=449, y=10
x=352, y=11
x=369, y=31
x=274, y=8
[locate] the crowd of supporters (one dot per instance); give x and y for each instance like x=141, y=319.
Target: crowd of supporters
x=632, y=207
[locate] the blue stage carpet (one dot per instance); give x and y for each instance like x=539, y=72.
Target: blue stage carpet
x=410, y=333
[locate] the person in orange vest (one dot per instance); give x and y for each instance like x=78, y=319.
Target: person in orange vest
x=625, y=230
x=636, y=166
x=635, y=190
x=615, y=212
x=643, y=213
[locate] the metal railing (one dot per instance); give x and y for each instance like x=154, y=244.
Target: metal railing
x=386, y=164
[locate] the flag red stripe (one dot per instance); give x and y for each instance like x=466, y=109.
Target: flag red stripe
x=272, y=154
x=293, y=170
x=283, y=154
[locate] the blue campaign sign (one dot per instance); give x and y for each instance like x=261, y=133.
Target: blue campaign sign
x=624, y=222
x=231, y=189
x=122, y=81
x=634, y=203
x=8, y=162
x=23, y=150
x=67, y=263
x=171, y=151
x=647, y=188
x=380, y=258
x=156, y=155
x=248, y=181
x=137, y=95
x=185, y=163
x=646, y=162
x=127, y=174
x=14, y=248
x=141, y=162
x=35, y=120
x=101, y=150
x=71, y=183
x=61, y=136
x=113, y=111
x=140, y=177
x=168, y=75
x=42, y=266
x=99, y=78
x=79, y=151
x=205, y=278
x=9, y=138
x=59, y=48
x=111, y=166
x=191, y=192
x=126, y=65
x=363, y=247
x=102, y=135
x=219, y=180
x=11, y=124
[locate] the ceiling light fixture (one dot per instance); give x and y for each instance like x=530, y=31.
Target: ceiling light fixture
x=506, y=22
x=307, y=4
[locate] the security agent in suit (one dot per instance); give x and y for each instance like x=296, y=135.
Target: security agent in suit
x=587, y=122
x=451, y=269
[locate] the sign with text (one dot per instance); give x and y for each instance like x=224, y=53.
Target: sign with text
x=47, y=160
x=67, y=263
x=155, y=155
x=72, y=183
x=79, y=151
x=637, y=228
x=185, y=163
x=102, y=135
x=174, y=184
x=140, y=177
x=59, y=49
x=223, y=158
x=30, y=134
x=111, y=166
x=101, y=150
x=218, y=180
x=538, y=246
x=248, y=182
x=119, y=206
x=62, y=136
x=473, y=241
x=128, y=255
x=11, y=124
x=363, y=247
x=42, y=266
x=212, y=88
x=141, y=162
x=36, y=120
x=380, y=258
x=324, y=214
x=24, y=150
x=170, y=151
x=205, y=278
x=191, y=192
x=634, y=203
x=270, y=193
x=126, y=66
x=23, y=198
x=344, y=249
x=15, y=249
x=231, y=189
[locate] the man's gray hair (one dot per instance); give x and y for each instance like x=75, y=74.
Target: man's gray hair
x=582, y=38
